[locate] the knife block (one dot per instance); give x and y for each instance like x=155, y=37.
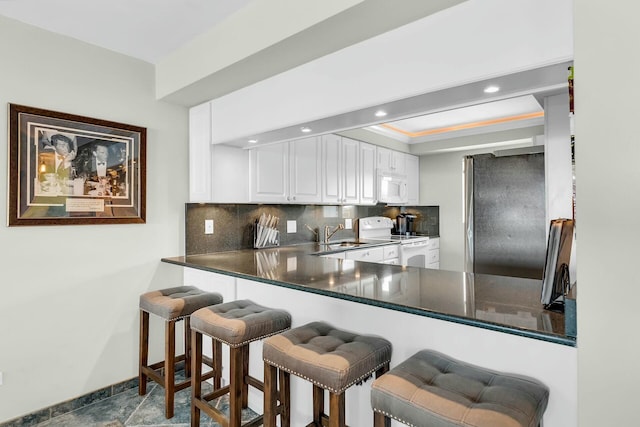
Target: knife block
x=265, y=237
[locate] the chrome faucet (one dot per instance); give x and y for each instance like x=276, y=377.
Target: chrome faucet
x=328, y=233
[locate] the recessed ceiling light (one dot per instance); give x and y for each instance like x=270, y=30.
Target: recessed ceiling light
x=253, y=141
x=381, y=113
x=491, y=89
x=305, y=129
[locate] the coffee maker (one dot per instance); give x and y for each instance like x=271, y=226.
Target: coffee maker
x=405, y=224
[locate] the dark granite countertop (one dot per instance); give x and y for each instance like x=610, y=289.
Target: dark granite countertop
x=499, y=303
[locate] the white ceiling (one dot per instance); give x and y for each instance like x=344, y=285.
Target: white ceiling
x=415, y=129
x=151, y=29
x=144, y=29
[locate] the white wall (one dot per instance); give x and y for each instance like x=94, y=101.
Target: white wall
x=430, y=54
x=608, y=199
x=69, y=294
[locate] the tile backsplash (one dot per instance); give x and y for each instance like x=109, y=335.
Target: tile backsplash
x=233, y=223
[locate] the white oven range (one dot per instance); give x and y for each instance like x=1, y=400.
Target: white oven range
x=413, y=249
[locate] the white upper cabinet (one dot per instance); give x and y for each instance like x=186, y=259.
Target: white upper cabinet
x=305, y=171
x=340, y=170
x=200, y=153
x=368, y=191
x=331, y=167
x=287, y=172
x=390, y=161
x=350, y=171
x=413, y=179
x=213, y=169
x=270, y=173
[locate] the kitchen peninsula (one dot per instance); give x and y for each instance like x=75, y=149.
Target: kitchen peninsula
x=493, y=321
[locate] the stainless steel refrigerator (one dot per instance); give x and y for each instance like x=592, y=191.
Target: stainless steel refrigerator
x=505, y=215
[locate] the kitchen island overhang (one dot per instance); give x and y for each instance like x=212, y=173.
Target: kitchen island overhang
x=499, y=303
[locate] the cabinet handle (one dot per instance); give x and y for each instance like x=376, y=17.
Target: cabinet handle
x=294, y=197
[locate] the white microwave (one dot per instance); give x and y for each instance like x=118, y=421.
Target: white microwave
x=392, y=188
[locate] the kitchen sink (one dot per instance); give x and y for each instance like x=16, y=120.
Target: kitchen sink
x=345, y=244
x=338, y=246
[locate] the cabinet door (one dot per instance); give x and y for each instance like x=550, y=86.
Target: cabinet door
x=331, y=169
x=433, y=254
x=305, y=171
x=391, y=161
x=270, y=173
x=368, y=195
x=398, y=162
x=200, y=153
x=228, y=185
x=384, y=159
x=413, y=179
x=369, y=255
x=350, y=171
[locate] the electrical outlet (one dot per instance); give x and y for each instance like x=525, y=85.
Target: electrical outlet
x=292, y=226
x=348, y=224
x=208, y=226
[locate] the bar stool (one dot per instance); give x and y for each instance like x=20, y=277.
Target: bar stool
x=331, y=359
x=173, y=305
x=432, y=389
x=236, y=324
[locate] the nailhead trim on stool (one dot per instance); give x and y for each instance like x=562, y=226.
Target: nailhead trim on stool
x=173, y=305
x=237, y=324
x=435, y=390
x=330, y=358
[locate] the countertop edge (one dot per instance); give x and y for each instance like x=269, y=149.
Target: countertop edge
x=555, y=339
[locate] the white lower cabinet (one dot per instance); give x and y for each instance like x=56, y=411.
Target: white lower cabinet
x=370, y=255
x=433, y=253
x=391, y=254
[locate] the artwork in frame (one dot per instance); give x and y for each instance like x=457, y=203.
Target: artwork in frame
x=66, y=169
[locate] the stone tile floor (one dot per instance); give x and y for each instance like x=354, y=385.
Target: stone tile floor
x=130, y=409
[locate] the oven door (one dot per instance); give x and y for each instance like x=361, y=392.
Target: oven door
x=414, y=254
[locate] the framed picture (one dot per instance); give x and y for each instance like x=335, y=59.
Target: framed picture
x=66, y=169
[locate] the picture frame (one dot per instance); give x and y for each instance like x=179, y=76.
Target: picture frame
x=66, y=169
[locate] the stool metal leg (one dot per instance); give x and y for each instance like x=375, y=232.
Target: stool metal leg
x=169, y=366
x=196, y=377
x=144, y=352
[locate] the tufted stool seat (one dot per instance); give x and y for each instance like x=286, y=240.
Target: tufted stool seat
x=432, y=389
x=236, y=324
x=173, y=305
x=331, y=359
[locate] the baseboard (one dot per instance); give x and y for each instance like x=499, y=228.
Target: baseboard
x=62, y=408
